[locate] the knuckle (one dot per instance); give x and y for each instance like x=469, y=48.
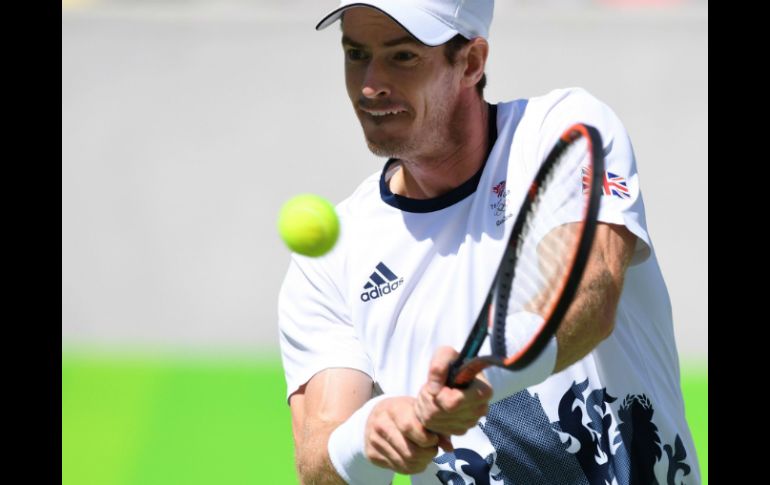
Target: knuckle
x=415, y=431
x=378, y=427
x=427, y=454
x=447, y=351
x=415, y=464
x=427, y=416
x=396, y=420
x=409, y=455
x=378, y=460
x=428, y=413
x=441, y=403
x=450, y=405
x=405, y=465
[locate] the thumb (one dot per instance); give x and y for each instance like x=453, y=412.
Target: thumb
x=439, y=369
x=445, y=443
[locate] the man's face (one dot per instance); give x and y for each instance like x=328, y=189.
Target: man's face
x=403, y=92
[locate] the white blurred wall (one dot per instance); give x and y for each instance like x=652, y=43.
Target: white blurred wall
x=185, y=125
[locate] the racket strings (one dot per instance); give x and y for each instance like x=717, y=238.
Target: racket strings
x=546, y=250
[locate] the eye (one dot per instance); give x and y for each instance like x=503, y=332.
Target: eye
x=355, y=54
x=404, y=56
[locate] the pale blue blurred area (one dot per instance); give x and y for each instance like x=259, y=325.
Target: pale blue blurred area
x=186, y=124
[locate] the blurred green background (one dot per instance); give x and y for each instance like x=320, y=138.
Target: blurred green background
x=162, y=421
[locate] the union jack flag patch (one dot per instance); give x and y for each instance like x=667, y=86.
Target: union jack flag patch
x=612, y=184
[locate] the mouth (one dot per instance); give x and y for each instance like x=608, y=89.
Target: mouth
x=377, y=113
x=383, y=113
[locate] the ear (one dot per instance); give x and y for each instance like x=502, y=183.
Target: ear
x=475, y=54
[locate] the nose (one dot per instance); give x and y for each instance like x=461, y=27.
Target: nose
x=375, y=82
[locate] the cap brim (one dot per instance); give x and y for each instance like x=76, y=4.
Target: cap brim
x=422, y=26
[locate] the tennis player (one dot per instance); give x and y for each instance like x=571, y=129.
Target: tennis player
x=367, y=332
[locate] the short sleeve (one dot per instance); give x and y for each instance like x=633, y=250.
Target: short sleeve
x=621, y=202
x=315, y=328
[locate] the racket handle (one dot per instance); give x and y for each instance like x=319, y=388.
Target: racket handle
x=454, y=370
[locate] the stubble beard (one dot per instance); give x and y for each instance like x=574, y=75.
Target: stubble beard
x=390, y=148
x=437, y=135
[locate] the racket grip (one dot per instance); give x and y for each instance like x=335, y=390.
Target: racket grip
x=454, y=370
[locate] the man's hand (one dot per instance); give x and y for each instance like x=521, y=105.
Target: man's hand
x=449, y=411
x=395, y=439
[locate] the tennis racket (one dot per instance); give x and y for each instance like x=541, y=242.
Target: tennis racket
x=543, y=260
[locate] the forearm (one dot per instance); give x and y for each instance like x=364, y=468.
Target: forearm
x=591, y=317
x=318, y=408
x=588, y=321
x=313, y=464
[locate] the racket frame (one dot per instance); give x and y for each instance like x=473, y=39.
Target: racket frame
x=494, y=312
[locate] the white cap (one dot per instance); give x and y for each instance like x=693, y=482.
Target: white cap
x=432, y=22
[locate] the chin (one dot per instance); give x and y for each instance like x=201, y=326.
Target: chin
x=388, y=150
x=382, y=146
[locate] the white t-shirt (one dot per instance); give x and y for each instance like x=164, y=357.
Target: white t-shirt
x=408, y=276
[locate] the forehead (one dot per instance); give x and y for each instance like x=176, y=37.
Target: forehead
x=370, y=26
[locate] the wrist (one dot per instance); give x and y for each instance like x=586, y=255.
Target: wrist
x=347, y=449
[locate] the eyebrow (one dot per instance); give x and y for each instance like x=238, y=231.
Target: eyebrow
x=407, y=39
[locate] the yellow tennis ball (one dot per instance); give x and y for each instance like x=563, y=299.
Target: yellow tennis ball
x=308, y=224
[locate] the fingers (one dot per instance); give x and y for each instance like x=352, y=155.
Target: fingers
x=439, y=369
x=448, y=411
x=404, y=433
x=395, y=439
x=449, y=399
x=393, y=451
x=417, y=434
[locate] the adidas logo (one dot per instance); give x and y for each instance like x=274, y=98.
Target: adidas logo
x=382, y=282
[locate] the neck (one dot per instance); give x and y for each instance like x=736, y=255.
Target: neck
x=427, y=176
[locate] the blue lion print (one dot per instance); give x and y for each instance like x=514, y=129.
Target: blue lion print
x=587, y=445
x=637, y=446
x=473, y=469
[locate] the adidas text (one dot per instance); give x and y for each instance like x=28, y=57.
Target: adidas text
x=381, y=290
